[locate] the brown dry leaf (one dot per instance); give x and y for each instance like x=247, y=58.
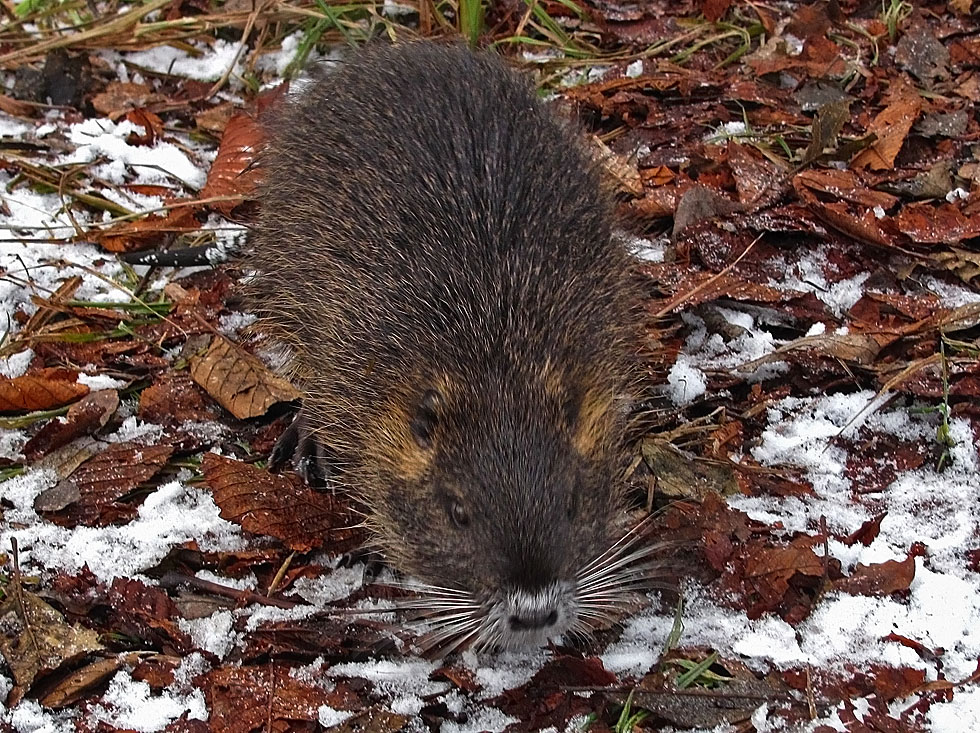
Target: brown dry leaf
x=842, y=185
x=41, y=391
x=81, y=682
x=964, y=263
x=961, y=6
x=152, y=127
x=84, y=417
x=944, y=224
x=621, y=172
x=683, y=476
x=714, y=9
x=93, y=487
x=879, y=579
x=659, y=175
x=215, y=119
x=278, y=506
x=233, y=172
x=240, y=383
x=130, y=236
x=373, y=720
x=827, y=124
x=121, y=97
x=245, y=699
x=891, y=127
x=35, y=639
x=854, y=348
x=768, y=571
x=866, y=533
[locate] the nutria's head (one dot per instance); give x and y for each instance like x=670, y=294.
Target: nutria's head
x=501, y=495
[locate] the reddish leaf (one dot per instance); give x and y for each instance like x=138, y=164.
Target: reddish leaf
x=768, y=572
x=280, y=507
x=91, y=490
x=84, y=417
x=880, y=579
x=41, y=391
x=944, y=224
x=714, y=9
x=891, y=127
x=866, y=533
x=245, y=699
x=233, y=172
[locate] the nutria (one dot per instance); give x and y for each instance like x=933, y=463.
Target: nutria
x=434, y=248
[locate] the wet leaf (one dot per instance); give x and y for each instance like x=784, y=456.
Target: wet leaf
x=279, y=506
x=245, y=699
x=240, y=383
x=89, y=493
x=35, y=639
x=891, y=127
x=233, y=172
x=41, y=391
x=84, y=417
x=879, y=579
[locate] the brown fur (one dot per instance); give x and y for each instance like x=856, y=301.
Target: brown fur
x=435, y=244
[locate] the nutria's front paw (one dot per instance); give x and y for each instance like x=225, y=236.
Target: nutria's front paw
x=298, y=446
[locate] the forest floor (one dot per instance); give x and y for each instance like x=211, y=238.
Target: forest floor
x=801, y=184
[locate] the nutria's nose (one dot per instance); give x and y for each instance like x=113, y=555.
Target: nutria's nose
x=530, y=620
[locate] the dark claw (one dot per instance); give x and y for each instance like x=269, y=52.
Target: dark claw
x=374, y=563
x=298, y=447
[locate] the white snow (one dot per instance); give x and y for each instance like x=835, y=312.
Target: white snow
x=939, y=510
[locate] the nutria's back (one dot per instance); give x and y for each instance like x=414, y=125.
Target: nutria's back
x=434, y=246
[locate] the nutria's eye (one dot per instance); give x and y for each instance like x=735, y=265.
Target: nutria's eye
x=571, y=407
x=457, y=513
x=573, y=504
x=426, y=418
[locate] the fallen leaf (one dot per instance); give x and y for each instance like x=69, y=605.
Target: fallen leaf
x=827, y=124
x=714, y=9
x=879, y=579
x=373, y=720
x=768, y=571
x=920, y=53
x=891, y=127
x=233, y=172
x=84, y=417
x=682, y=476
x=240, y=383
x=41, y=391
x=698, y=204
x=278, y=506
x=121, y=97
x=150, y=231
x=866, y=533
x=35, y=639
x=244, y=699
x=943, y=224
x=76, y=685
x=95, y=485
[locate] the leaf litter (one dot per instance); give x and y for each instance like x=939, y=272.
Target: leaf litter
x=801, y=182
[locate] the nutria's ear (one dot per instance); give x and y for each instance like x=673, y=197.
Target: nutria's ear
x=426, y=418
